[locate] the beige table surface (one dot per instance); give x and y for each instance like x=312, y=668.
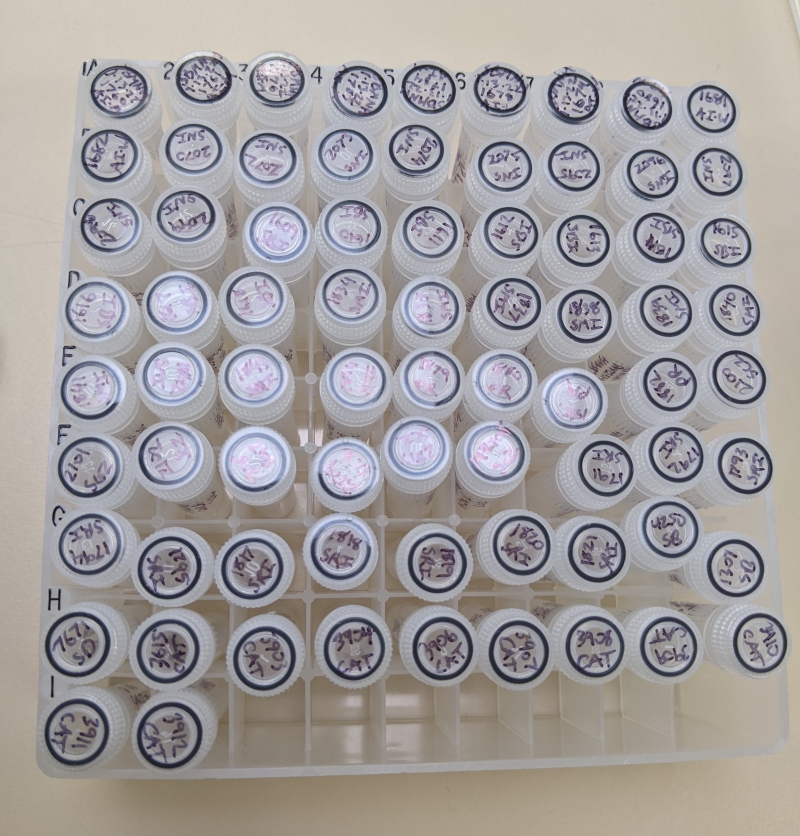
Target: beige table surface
x=749, y=45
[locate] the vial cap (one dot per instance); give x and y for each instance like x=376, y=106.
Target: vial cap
x=734, y=310
x=670, y=384
x=500, y=90
x=583, y=240
x=585, y=316
x=110, y=156
x=194, y=151
x=92, y=390
x=666, y=310
x=744, y=465
x=521, y=544
x=513, y=304
x=267, y=159
x=277, y=81
x=255, y=459
x=605, y=468
x=89, y=467
x=717, y=172
x=416, y=150
x=504, y=166
x=340, y=551
x=726, y=243
x=111, y=226
x=670, y=528
x=357, y=379
x=669, y=646
x=95, y=309
x=77, y=731
x=437, y=563
x=173, y=567
x=346, y=154
x=120, y=91
x=431, y=309
x=596, y=552
x=431, y=379
x=431, y=232
x=651, y=173
x=254, y=376
x=711, y=109
x=510, y=232
x=266, y=655
x=169, y=455
x=573, y=97
x=352, y=227
x=574, y=166
x=347, y=470
x=428, y=89
x=417, y=448
x=255, y=299
x=177, y=303
x=278, y=233
x=735, y=567
x=658, y=237
x=647, y=104
x=354, y=647
x=254, y=568
x=77, y=644
x=442, y=648
x=350, y=295
x=503, y=380
x=495, y=453
x=676, y=454
x=595, y=647
x=572, y=399
x=167, y=650
x=171, y=376
x=359, y=91
x=203, y=78
x=185, y=216
x=738, y=378
x=760, y=642
x=91, y=545
x=171, y=734
x=518, y=649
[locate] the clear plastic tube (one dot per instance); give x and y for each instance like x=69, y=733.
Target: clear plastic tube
x=427, y=93
x=360, y=95
x=340, y=552
x=720, y=248
x=591, y=554
x=268, y=168
x=346, y=476
x=428, y=383
x=711, y=180
x=433, y=562
x=703, y=112
x=344, y=164
x=351, y=233
x=663, y=646
x=277, y=94
x=514, y=547
x=663, y=533
x=254, y=568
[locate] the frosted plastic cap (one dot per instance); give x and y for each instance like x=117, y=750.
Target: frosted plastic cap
x=266, y=655
x=353, y=647
x=195, y=155
x=506, y=238
x=515, y=547
x=739, y=468
x=571, y=96
x=575, y=170
x=578, y=322
x=706, y=111
x=591, y=554
x=650, y=247
x=98, y=394
x=508, y=312
x=663, y=533
x=340, y=552
x=356, y=387
x=102, y=317
x=359, y=94
x=513, y=649
x=268, y=167
x=173, y=567
x=85, y=643
x=114, y=236
x=278, y=237
x=430, y=311
x=657, y=317
x=256, y=384
x=569, y=403
x=254, y=568
x=428, y=93
x=500, y=384
x=735, y=382
x=416, y=455
x=180, y=306
x=415, y=162
x=189, y=227
x=714, y=174
x=346, y=475
x=727, y=567
x=650, y=174
x=172, y=649
x=257, y=465
x=94, y=548
x=492, y=458
x=430, y=383
x=576, y=249
x=588, y=643
x=123, y=95
x=665, y=647
x=176, y=382
x=114, y=162
x=500, y=170
x=646, y=104
x=496, y=100
x=351, y=233
x=597, y=472
x=349, y=305
x=433, y=562
x=344, y=163
x=720, y=249
x=669, y=458
x=427, y=239
x=256, y=307
x=205, y=85
x=277, y=92
x=437, y=646
x=662, y=386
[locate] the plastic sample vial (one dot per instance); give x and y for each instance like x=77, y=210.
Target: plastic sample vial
x=491, y=460
x=86, y=643
x=175, y=463
x=266, y=655
x=353, y=647
x=416, y=457
x=743, y=639
x=501, y=385
x=359, y=95
x=576, y=250
x=514, y=547
x=577, y=323
x=344, y=164
x=429, y=313
x=98, y=394
x=568, y=405
x=277, y=95
x=650, y=247
x=95, y=472
x=113, y=163
x=355, y=389
x=428, y=383
x=506, y=241
x=349, y=308
x=495, y=103
x=726, y=567
x=720, y=249
x=204, y=85
x=257, y=307
x=711, y=180
x=88, y=726
x=704, y=112
x=565, y=105
x=437, y=646
x=174, y=731
x=195, y=156
x=513, y=649
x=177, y=383
x=662, y=533
x=659, y=388
x=94, y=549
x=644, y=180
x=427, y=94
x=590, y=475
x=433, y=562
x=738, y=468
x=173, y=567
x=569, y=178
x=123, y=96
x=254, y=568
x=258, y=468
x=101, y=317
x=591, y=554
x=501, y=171
x=659, y=316
x=268, y=168
x=427, y=241
x=181, y=307
x=664, y=647
x=346, y=476
x=414, y=164
x=340, y=552
x=351, y=233
x=588, y=642
x=191, y=233
x=116, y=237
x=506, y=315
x=639, y=114
x=256, y=386
x=732, y=384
